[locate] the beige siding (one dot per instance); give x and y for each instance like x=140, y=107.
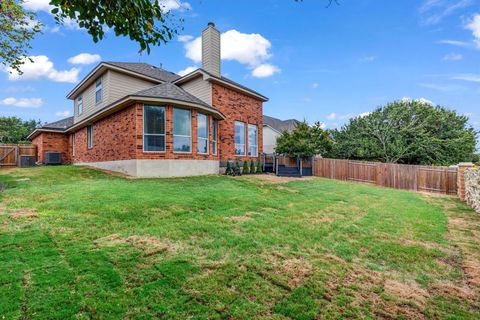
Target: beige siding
x=269, y=139
x=115, y=86
x=199, y=88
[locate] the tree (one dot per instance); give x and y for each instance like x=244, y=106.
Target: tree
x=304, y=141
x=143, y=21
x=15, y=130
x=17, y=28
x=407, y=131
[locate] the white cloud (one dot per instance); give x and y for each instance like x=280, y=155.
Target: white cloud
x=43, y=68
x=453, y=57
x=474, y=26
x=22, y=102
x=185, y=38
x=368, y=59
x=265, y=70
x=65, y=113
x=37, y=5
x=187, y=70
x=425, y=101
x=468, y=77
x=168, y=5
x=314, y=85
x=364, y=114
x=18, y=89
x=332, y=116
x=85, y=58
x=456, y=43
x=440, y=87
x=323, y=126
x=434, y=11
x=252, y=50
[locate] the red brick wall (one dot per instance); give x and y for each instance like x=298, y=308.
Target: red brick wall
x=52, y=142
x=113, y=138
x=236, y=106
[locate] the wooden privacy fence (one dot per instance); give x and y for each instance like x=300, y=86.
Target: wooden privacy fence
x=10, y=154
x=399, y=176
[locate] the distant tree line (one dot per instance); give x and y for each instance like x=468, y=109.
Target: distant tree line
x=14, y=130
x=407, y=131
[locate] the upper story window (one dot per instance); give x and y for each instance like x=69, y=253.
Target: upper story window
x=79, y=105
x=214, y=136
x=202, y=133
x=98, y=91
x=90, y=137
x=182, y=130
x=252, y=140
x=239, y=138
x=153, y=128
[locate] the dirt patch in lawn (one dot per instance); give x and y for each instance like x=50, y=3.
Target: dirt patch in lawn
x=147, y=244
x=447, y=289
x=23, y=213
x=295, y=270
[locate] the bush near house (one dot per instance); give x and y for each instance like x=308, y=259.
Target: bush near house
x=78, y=243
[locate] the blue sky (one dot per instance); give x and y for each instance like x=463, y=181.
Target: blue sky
x=314, y=63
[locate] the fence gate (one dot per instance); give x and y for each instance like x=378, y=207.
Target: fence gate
x=10, y=154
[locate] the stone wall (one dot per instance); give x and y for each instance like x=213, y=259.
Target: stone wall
x=472, y=188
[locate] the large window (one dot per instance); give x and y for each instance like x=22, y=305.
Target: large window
x=98, y=91
x=214, y=136
x=239, y=138
x=153, y=128
x=182, y=130
x=90, y=137
x=202, y=133
x=252, y=140
x=79, y=105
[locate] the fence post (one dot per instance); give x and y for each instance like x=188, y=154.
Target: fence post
x=461, y=178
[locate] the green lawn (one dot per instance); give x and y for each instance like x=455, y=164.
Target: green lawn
x=76, y=243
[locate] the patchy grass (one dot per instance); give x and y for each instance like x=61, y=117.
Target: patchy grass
x=81, y=244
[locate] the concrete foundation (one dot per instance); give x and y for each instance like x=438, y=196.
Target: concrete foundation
x=158, y=168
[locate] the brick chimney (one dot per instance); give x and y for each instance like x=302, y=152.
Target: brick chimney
x=211, y=50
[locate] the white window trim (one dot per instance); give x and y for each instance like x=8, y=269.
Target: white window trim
x=208, y=132
x=90, y=137
x=245, y=139
x=155, y=134
x=97, y=89
x=214, y=137
x=78, y=104
x=256, y=141
x=180, y=135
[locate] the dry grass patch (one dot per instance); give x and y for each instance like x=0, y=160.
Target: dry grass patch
x=147, y=244
x=272, y=178
x=407, y=291
x=240, y=218
x=23, y=213
x=295, y=270
x=447, y=289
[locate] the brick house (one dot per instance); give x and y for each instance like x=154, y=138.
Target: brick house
x=144, y=121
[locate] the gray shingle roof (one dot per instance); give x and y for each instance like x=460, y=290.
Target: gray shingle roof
x=170, y=91
x=280, y=125
x=60, y=124
x=146, y=69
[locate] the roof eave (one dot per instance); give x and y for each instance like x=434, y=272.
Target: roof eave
x=37, y=131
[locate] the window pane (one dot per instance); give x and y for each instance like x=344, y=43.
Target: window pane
x=154, y=143
x=214, y=128
x=181, y=144
x=214, y=147
x=154, y=120
x=202, y=146
x=239, y=149
x=182, y=124
x=202, y=127
x=98, y=96
x=240, y=132
x=252, y=140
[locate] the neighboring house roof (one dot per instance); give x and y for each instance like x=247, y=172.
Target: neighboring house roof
x=220, y=79
x=60, y=125
x=280, y=125
x=147, y=70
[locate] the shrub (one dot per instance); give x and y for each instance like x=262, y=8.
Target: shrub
x=259, y=167
x=228, y=171
x=252, y=166
x=246, y=167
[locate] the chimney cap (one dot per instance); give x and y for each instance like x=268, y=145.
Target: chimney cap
x=211, y=24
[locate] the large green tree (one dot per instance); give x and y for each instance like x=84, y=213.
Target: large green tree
x=304, y=141
x=412, y=132
x=16, y=130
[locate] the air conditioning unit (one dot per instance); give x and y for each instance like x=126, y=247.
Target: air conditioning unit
x=27, y=161
x=53, y=158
